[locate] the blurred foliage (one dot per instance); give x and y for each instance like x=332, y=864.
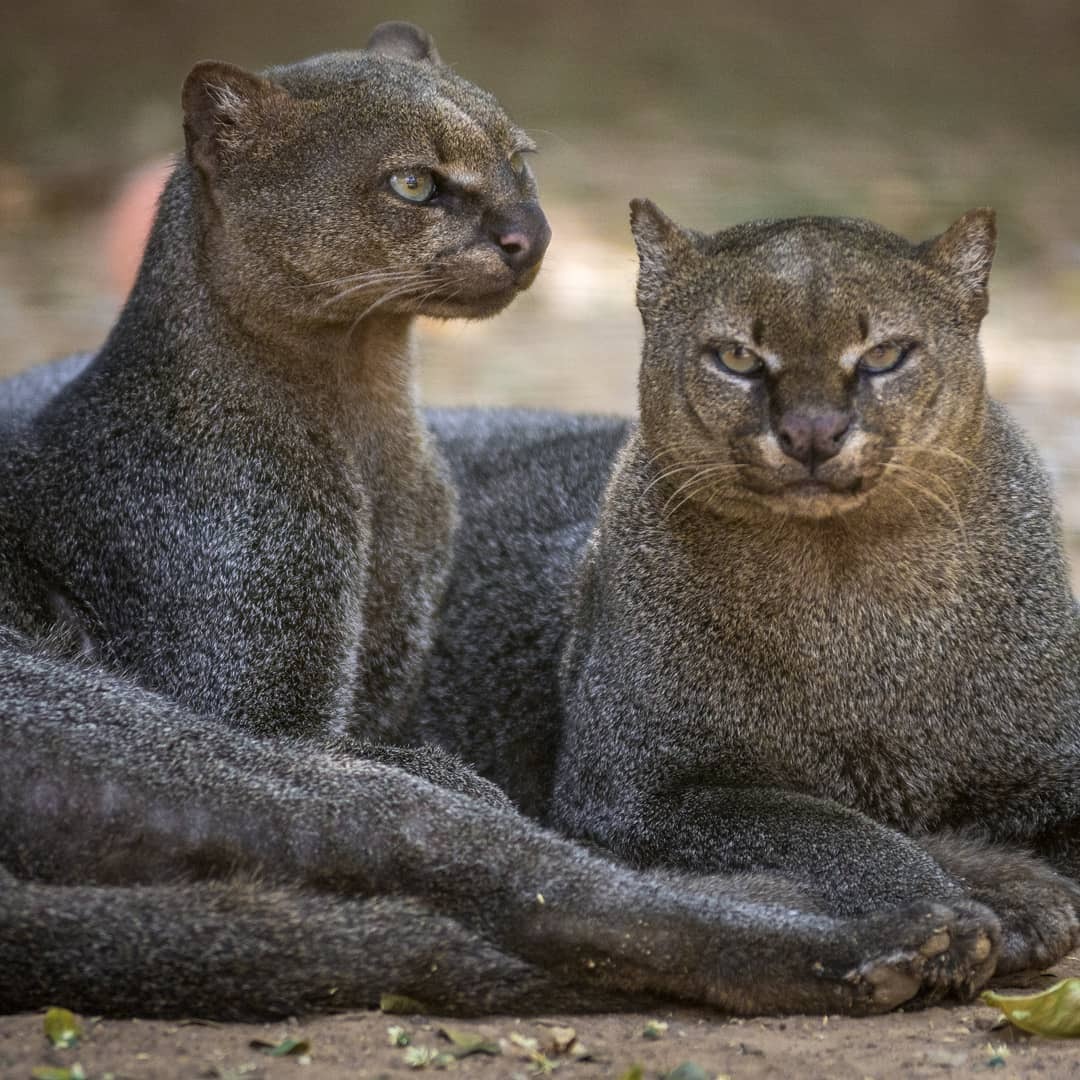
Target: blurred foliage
x=729, y=110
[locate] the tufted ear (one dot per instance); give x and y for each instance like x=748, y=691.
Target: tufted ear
x=225, y=110
x=965, y=251
x=404, y=41
x=659, y=242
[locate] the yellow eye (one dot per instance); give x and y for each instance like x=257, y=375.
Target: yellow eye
x=737, y=359
x=517, y=162
x=414, y=185
x=884, y=357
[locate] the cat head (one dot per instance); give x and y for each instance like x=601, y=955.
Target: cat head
x=808, y=366
x=361, y=181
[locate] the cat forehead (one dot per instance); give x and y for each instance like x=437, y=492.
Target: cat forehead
x=809, y=272
x=389, y=94
x=799, y=250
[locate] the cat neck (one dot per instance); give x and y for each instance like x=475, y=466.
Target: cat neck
x=351, y=378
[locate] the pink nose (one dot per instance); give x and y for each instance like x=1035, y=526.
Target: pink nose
x=521, y=236
x=812, y=438
x=514, y=243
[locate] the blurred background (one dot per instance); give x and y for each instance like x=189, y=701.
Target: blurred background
x=907, y=113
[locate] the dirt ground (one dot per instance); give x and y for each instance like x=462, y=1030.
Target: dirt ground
x=953, y=1042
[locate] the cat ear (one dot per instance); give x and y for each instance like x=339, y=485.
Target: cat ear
x=225, y=108
x=965, y=251
x=659, y=241
x=404, y=41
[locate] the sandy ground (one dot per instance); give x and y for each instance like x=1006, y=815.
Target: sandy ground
x=957, y=1041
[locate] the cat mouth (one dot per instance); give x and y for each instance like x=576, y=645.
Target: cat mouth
x=813, y=496
x=481, y=303
x=812, y=487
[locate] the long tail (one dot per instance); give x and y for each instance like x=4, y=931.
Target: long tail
x=239, y=950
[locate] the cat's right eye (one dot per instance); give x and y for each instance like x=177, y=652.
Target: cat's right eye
x=737, y=359
x=414, y=185
x=887, y=356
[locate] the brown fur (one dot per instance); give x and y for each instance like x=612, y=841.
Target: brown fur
x=881, y=619
x=236, y=520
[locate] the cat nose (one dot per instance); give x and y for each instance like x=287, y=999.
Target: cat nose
x=523, y=239
x=811, y=438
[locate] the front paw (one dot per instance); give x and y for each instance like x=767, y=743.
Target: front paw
x=940, y=952
x=1038, y=908
x=1040, y=920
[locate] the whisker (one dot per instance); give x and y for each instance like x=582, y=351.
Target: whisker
x=371, y=275
x=710, y=472
x=393, y=294
x=941, y=451
x=951, y=510
x=412, y=287
x=665, y=473
x=414, y=278
x=927, y=477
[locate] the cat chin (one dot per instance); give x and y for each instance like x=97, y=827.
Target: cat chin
x=815, y=502
x=471, y=307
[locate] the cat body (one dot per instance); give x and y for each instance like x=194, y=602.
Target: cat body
x=222, y=544
x=814, y=578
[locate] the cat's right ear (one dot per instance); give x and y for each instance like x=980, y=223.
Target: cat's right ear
x=964, y=252
x=659, y=242
x=404, y=41
x=226, y=109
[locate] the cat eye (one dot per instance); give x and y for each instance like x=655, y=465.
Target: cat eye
x=517, y=162
x=414, y=185
x=737, y=359
x=887, y=356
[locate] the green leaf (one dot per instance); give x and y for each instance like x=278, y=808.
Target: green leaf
x=421, y=1057
x=688, y=1070
x=62, y=1028
x=51, y=1072
x=469, y=1042
x=401, y=1003
x=283, y=1048
x=398, y=1036
x=1054, y=1012
x=635, y=1072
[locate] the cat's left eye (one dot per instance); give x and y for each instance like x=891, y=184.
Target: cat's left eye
x=414, y=185
x=517, y=162
x=887, y=356
x=737, y=359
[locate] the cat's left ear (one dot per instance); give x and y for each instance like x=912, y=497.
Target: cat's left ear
x=660, y=245
x=403, y=41
x=965, y=252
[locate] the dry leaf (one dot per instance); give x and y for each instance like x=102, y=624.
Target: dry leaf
x=1054, y=1012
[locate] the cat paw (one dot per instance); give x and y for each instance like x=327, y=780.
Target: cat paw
x=1039, y=909
x=1040, y=920
x=945, y=952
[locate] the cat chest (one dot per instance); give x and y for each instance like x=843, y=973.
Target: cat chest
x=840, y=700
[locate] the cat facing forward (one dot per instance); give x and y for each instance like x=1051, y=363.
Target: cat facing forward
x=827, y=572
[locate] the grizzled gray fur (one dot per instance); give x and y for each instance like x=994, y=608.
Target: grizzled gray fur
x=222, y=545
x=827, y=567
